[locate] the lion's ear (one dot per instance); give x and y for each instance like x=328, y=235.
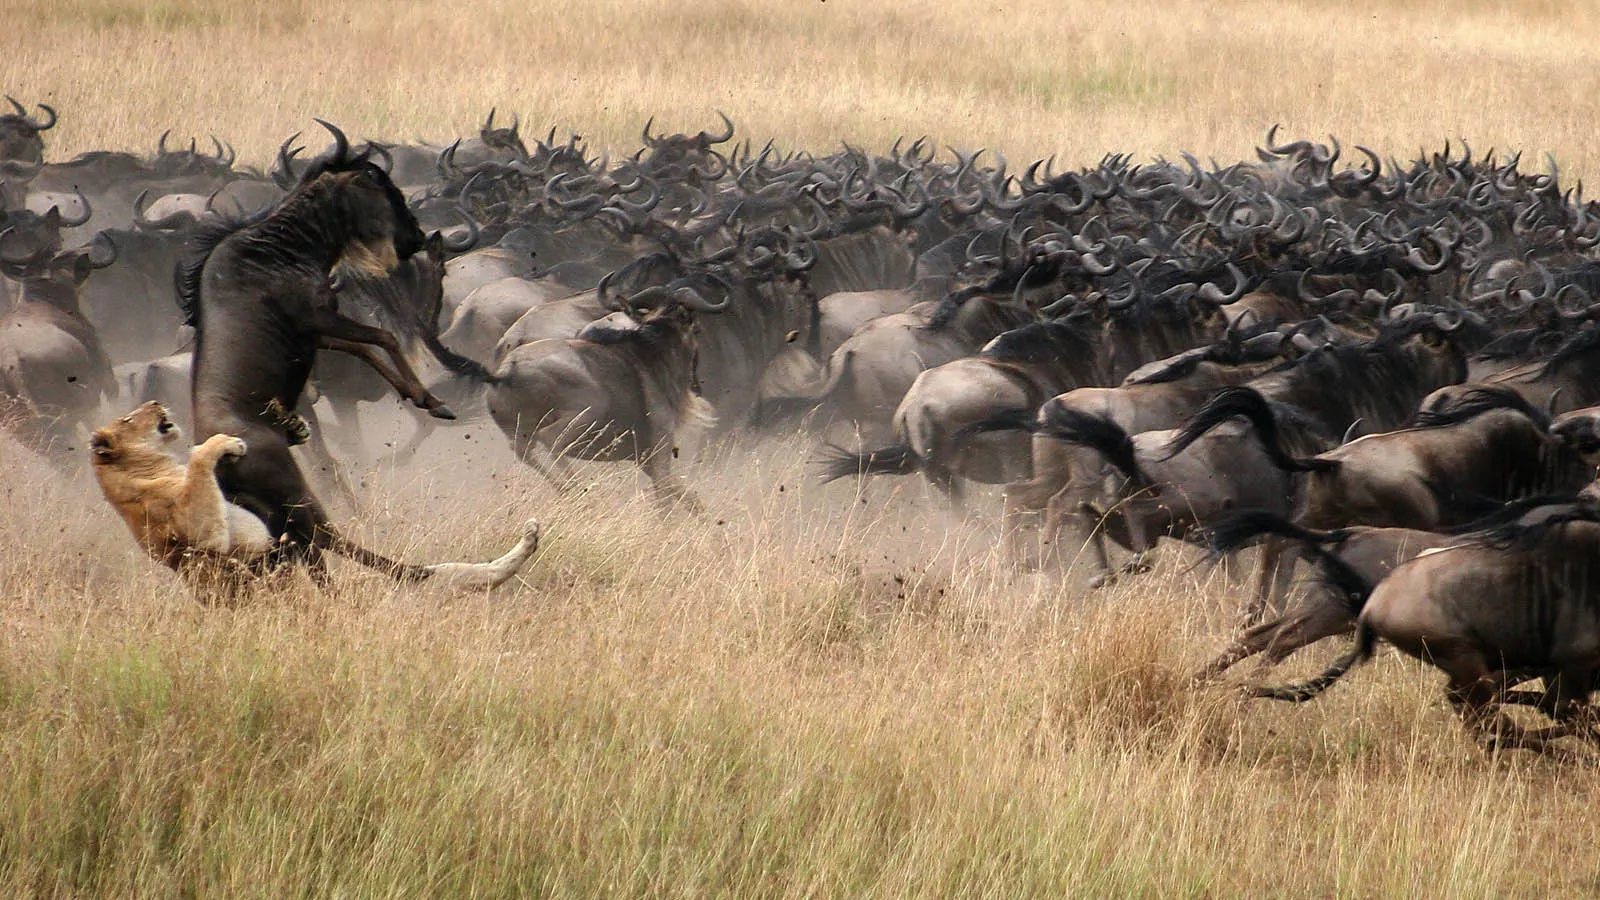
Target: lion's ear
x=100, y=444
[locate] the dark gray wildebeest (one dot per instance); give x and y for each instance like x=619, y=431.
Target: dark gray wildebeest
x=1019, y=369
x=1454, y=465
x=21, y=151
x=865, y=380
x=622, y=390
x=1519, y=601
x=1568, y=380
x=263, y=297
x=54, y=375
x=1163, y=491
x=1344, y=563
x=1065, y=476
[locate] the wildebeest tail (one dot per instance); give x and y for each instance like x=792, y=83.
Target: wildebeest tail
x=455, y=362
x=1366, y=641
x=837, y=462
x=1098, y=433
x=1249, y=405
x=1237, y=530
x=1015, y=419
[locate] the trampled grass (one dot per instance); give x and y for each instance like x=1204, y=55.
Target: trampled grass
x=801, y=694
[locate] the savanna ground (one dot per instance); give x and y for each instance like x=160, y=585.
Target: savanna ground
x=808, y=692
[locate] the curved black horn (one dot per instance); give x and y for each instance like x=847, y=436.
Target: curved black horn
x=88, y=212
x=691, y=298
x=1210, y=293
x=727, y=125
x=341, y=144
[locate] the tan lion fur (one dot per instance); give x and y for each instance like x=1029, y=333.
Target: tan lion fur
x=174, y=509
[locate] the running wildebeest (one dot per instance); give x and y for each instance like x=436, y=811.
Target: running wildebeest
x=1514, y=602
x=263, y=297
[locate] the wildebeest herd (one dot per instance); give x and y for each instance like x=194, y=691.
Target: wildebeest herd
x=1380, y=372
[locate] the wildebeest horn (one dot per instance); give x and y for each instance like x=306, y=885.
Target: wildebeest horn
x=1443, y=320
x=285, y=174
x=1303, y=342
x=21, y=110
x=1059, y=305
x=727, y=132
x=102, y=250
x=383, y=153
x=1350, y=432
x=804, y=257
x=603, y=293
x=465, y=242
x=646, y=297
x=693, y=299
x=88, y=212
x=36, y=125
x=1417, y=261
x=644, y=135
x=1210, y=293
x=10, y=238
x=1550, y=404
x=341, y=144
x=161, y=142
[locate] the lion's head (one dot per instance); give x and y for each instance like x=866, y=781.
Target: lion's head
x=139, y=435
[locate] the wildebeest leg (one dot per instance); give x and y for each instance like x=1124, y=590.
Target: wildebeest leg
x=335, y=332
x=948, y=484
x=1273, y=577
x=1472, y=692
x=668, y=492
x=1319, y=614
x=1093, y=528
x=321, y=456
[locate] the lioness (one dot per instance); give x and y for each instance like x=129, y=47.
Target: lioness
x=173, y=510
x=178, y=514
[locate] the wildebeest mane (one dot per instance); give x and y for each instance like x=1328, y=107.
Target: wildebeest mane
x=1523, y=344
x=1232, y=352
x=1578, y=345
x=1479, y=400
x=202, y=241
x=1042, y=342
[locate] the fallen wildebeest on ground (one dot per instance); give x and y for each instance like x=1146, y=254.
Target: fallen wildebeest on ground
x=263, y=297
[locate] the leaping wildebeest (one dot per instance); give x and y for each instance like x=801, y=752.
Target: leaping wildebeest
x=263, y=297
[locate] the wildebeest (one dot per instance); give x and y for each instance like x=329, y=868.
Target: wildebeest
x=1066, y=478
x=1346, y=563
x=54, y=374
x=1520, y=600
x=263, y=297
x=1491, y=447
x=619, y=391
x=1017, y=370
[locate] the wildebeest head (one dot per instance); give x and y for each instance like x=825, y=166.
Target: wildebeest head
x=55, y=278
x=21, y=148
x=381, y=227
x=27, y=238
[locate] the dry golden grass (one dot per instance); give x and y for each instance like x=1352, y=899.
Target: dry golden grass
x=803, y=694
x=1032, y=78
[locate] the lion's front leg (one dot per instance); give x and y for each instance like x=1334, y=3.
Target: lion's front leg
x=203, y=514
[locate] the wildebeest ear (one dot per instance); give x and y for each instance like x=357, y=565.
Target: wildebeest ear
x=81, y=267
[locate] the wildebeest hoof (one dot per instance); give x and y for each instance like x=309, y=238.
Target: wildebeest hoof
x=1101, y=580
x=442, y=412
